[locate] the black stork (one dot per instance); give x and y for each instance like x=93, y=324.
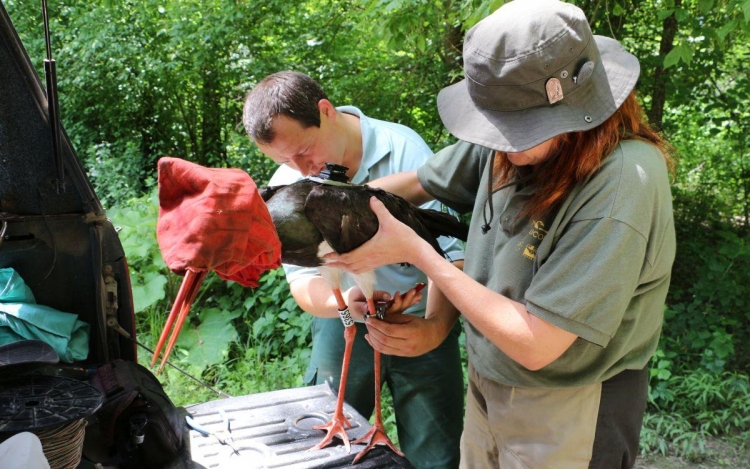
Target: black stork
x=313, y=218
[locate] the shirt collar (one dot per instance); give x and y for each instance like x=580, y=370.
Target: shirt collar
x=373, y=150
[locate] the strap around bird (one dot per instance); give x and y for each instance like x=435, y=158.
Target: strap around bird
x=333, y=175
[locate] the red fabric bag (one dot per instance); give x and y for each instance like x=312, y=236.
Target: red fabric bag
x=214, y=219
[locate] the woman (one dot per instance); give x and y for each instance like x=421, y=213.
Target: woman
x=570, y=247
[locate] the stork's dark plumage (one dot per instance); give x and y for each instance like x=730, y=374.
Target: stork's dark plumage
x=313, y=219
x=307, y=213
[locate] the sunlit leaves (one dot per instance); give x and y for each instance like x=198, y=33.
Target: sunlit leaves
x=705, y=6
x=208, y=343
x=664, y=14
x=483, y=9
x=681, y=52
x=148, y=289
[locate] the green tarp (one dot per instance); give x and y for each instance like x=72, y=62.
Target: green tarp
x=21, y=318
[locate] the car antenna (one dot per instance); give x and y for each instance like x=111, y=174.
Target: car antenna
x=53, y=109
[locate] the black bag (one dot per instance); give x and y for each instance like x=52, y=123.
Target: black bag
x=137, y=426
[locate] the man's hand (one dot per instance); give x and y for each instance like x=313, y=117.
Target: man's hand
x=399, y=303
x=357, y=302
x=406, y=335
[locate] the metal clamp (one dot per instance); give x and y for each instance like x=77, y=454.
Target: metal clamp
x=3, y=230
x=206, y=432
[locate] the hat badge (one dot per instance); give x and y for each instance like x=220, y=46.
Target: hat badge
x=584, y=73
x=554, y=90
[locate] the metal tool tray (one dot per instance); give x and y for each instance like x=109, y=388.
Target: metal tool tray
x=274, y=430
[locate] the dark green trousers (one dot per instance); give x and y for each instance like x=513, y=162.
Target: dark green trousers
x=428, y=392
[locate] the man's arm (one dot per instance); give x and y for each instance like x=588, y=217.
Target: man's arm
x=405, y=184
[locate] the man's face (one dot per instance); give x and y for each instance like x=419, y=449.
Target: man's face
x=304, y=149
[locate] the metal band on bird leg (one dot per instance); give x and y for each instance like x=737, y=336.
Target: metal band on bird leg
x=346, y=317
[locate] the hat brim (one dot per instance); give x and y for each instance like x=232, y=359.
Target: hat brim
x=586, y=107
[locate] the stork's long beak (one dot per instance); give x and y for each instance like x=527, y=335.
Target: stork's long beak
x=180, y=309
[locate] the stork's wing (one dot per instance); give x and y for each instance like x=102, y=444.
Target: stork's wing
x=409, y=215
x=434, y=222
x=342, y=215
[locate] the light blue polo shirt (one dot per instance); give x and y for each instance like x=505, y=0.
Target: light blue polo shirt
x=388, y=148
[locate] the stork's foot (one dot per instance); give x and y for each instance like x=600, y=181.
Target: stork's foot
x=375, y=436
x=335, y=428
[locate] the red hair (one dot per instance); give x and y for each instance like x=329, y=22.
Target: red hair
x=581, y=154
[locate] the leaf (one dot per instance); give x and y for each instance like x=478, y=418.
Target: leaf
x=681, y=14
x=421, y=43
x=672, y=58
x=486, y=7
x=260, y=325
x=746, y=10
x=149, y=291
x=664, y=14
x=705, y=5
x=209, y=343
x=680, y=52
x=618, y=10
x=686, y=53
x=392, y=5
x=727, y=28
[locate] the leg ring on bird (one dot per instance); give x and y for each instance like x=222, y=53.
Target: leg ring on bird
x=346, y=317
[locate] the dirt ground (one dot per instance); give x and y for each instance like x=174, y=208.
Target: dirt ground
x=719, y=455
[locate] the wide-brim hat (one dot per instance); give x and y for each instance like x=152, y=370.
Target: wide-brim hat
x=533, y=70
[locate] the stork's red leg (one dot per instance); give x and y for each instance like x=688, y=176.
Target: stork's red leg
x=377, y=433
x=181, y=293
x=339, y=423
x=190, y=284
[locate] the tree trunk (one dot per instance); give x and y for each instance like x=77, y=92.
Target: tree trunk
x=453, y=52
x=659, y=95
x=212, y=150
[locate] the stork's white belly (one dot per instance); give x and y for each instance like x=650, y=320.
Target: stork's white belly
x=365, y=281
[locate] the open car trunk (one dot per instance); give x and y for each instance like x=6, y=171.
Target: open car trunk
x=57, y=238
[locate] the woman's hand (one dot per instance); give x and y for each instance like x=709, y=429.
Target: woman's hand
x=394, y=243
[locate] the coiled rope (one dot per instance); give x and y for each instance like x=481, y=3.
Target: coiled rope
x=63, y=445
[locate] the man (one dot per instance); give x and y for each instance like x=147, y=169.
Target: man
x=290, y=118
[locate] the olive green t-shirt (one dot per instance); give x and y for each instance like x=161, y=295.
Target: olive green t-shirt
x=598, y=267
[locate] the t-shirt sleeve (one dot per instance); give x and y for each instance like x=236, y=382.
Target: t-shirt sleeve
x=588, y=280
x=294, y=272
x=453, y=174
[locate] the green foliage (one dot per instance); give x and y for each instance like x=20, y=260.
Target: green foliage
x=688, y=407
x=671, y=434
x=208, y=343
x=136, y=224
x=706, y=322
x=276, y=326
x=681, y=52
